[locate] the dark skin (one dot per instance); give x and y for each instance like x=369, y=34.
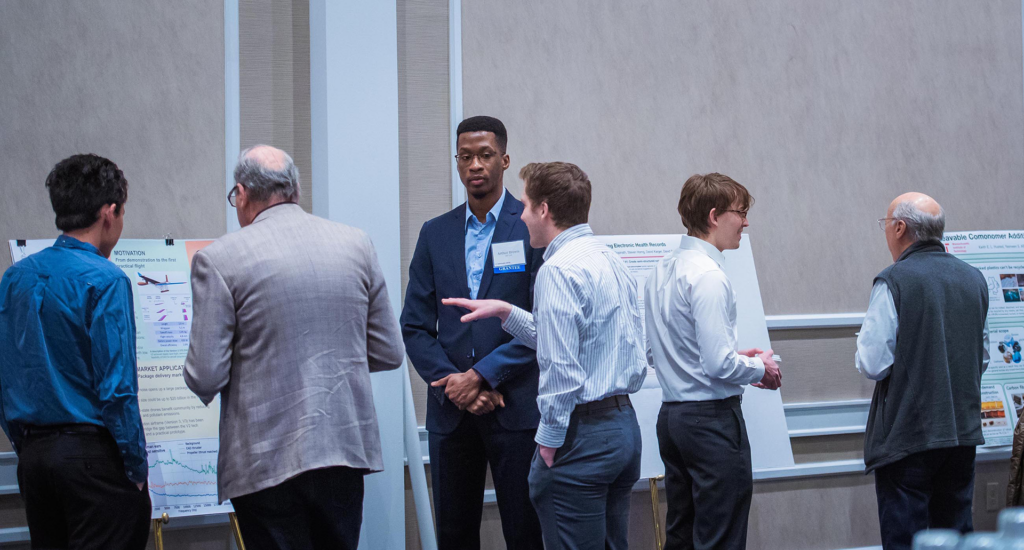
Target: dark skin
x=482, y=166
x=483, y=175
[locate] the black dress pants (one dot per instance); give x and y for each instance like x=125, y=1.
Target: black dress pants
x=316, y=510
x=708, y=480
x=458, y=470
x=76, y=493
x=927, y=490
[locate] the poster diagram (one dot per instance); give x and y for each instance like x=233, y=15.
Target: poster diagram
x=181, y=432
x=999, y=255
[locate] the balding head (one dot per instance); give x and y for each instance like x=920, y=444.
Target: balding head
x=268, y=174
x=271, y=158
x=913, y=217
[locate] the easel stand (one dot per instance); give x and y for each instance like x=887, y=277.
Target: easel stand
x=158, y=531
x=654, y=508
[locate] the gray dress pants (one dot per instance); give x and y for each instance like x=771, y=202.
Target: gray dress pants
x=582, y=500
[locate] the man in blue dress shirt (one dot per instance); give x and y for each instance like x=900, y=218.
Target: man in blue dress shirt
x=68, y=385
x=481, y=407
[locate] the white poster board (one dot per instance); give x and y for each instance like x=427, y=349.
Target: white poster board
x=762, y=409
x=182, y=434
x=1000, y=257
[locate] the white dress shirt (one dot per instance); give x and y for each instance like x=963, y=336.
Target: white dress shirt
x=691, y=327
x=876, y=342
x=585, y=327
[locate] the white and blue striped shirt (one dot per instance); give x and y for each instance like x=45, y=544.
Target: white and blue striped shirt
x=585, y=327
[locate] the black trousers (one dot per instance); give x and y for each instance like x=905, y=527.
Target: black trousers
x=76, y=493
x=317, y=509
x=927, y=490
x=708, y=480
x=458, y=471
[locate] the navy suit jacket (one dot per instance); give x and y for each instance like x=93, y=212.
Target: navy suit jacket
x=439, y=343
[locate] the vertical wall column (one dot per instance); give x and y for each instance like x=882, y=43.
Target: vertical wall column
x=232, y=107
x=354, y=111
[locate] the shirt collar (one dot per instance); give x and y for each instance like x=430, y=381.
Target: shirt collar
x=65, y=241
x=276, y=209
x=492, y=213
x=700, y=245
x=573, y=233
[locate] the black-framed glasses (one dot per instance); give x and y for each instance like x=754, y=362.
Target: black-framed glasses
x=465, y=159
x=232, y=194
x=742, y=213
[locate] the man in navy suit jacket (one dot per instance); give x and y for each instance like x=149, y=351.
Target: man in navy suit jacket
x=482, y=400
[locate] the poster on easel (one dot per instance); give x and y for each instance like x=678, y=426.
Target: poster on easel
x=182, y=434
x=1000, y=257
x=763, y=412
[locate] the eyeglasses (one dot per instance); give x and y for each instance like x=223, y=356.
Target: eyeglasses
x=465, y=159
x=232, y=194
x=881, y=222
x=742, y=213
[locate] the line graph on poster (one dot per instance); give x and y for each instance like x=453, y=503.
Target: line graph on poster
x=183, y=477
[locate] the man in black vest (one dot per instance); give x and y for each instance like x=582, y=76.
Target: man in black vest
x=924, y=342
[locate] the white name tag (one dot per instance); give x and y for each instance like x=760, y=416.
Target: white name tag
x=509, y=257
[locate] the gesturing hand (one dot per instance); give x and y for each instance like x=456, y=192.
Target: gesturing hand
x=480, y=309
x=486, y=402
x=462, y=388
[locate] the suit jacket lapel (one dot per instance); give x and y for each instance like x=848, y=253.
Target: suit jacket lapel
x=457, y=237
x=507, y=219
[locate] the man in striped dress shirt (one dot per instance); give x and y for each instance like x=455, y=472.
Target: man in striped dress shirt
x=587, y=331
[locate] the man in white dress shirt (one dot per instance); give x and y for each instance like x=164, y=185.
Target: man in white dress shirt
x=925, y=343
x=691, y=331
x=587, y=331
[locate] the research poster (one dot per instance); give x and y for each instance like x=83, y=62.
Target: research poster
x=181, y=433
x=1000, y=257
x=762, y=409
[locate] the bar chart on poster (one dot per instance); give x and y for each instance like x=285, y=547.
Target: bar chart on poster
x=181, y=433
x=999, y=255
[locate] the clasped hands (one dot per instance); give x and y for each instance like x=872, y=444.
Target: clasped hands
x=467, y=392
x=466, y=389
x=772, y=379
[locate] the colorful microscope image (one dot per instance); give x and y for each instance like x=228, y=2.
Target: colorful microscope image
x=1010, y=348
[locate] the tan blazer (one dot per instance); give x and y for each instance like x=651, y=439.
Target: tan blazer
x=291, y=315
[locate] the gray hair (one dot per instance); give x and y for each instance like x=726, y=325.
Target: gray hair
x=263, y=183
x=921, y=225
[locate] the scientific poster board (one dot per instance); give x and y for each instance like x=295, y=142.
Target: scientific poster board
x=1000, y=257
x=182, y=437
x=762, y=409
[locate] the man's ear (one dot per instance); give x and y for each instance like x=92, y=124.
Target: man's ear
x=713, y=218
x=108, y=213
x=505, y=160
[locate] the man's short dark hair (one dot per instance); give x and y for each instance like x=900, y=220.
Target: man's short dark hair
x=702, y=192
x=484, y=124
x=80, y=185
x=563, y=186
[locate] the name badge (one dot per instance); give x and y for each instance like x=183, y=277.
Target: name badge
x=509, y=257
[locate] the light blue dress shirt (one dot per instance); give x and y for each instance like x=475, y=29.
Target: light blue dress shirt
x=585, y=327
x=478, y=239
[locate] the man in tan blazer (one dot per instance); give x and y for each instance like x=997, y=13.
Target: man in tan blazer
x=291, y=315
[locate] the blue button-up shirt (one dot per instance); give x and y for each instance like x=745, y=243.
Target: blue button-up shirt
x=67, y=331
x=478, y=239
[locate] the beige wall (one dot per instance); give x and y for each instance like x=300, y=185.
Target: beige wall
x=824, y=110
x=141, y=83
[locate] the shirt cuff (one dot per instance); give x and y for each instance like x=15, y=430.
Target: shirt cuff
x=518, y=323
x=550, y=436
x=758, y=370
